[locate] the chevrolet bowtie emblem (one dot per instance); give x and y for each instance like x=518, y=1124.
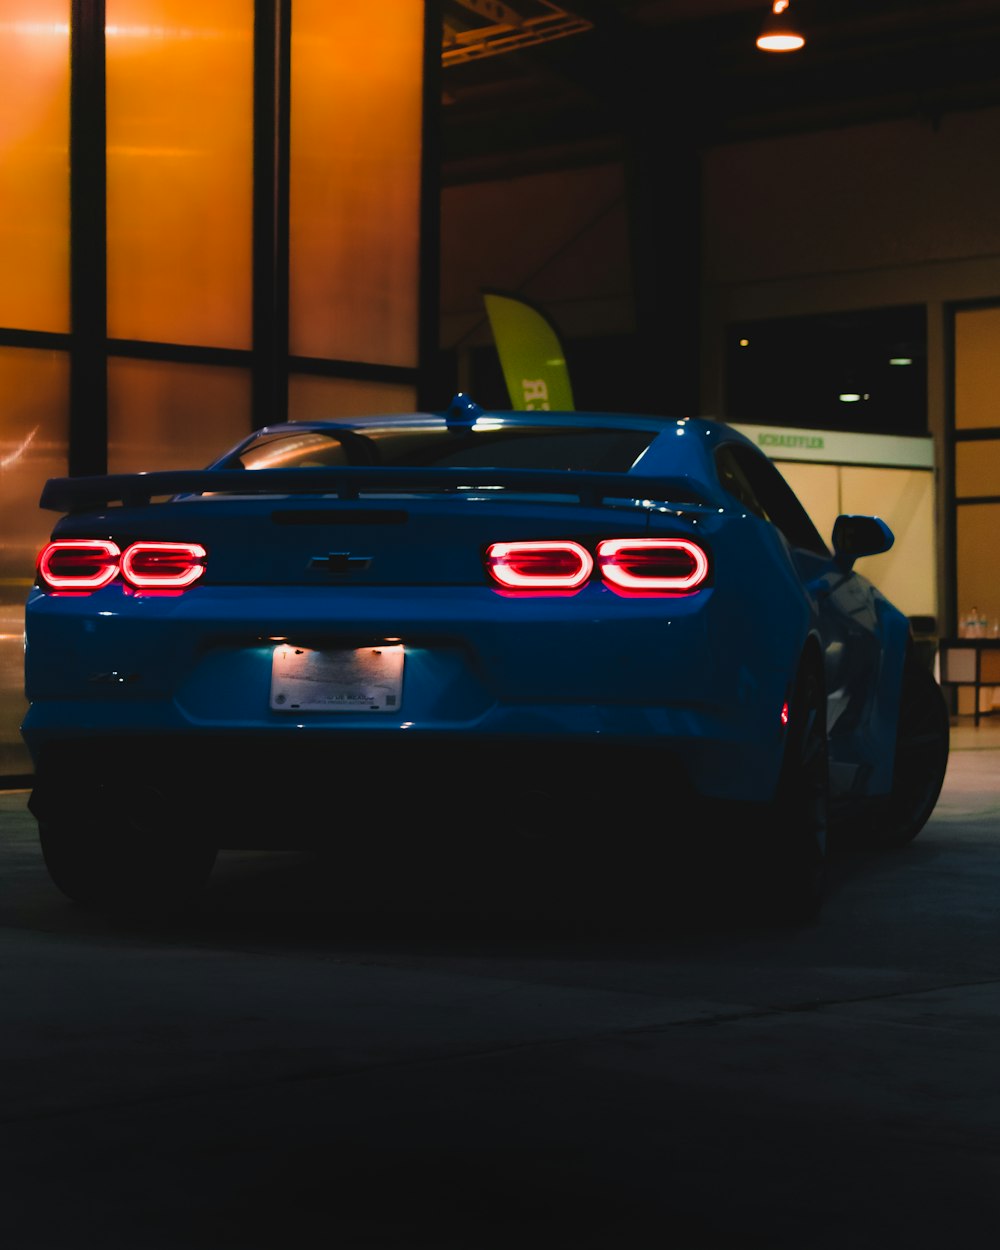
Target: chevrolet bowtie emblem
x=339, y=562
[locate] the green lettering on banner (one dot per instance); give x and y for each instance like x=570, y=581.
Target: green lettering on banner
x=808, y=442
x=531, y=355
x=534, y=394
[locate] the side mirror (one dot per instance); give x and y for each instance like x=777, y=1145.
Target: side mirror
x=856, y=536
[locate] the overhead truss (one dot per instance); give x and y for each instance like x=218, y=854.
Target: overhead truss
x=474, y=29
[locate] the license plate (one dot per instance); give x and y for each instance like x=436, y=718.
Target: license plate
x=367, y=679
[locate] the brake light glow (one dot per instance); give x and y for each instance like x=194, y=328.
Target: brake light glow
x=630, y=566
x=163, y=566
x=553, y=564
x=665, y=564
x=81, y=564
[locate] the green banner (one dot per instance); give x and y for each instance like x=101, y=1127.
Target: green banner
x=531, y=355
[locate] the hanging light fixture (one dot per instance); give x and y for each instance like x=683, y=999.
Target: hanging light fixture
x=779, y=33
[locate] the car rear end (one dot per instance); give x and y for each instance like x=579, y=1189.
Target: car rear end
x=276, y=662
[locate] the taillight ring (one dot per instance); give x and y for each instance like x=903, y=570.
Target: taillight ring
x=162, y=566
x=81, y=564
x=549, y=564
x=627, y=563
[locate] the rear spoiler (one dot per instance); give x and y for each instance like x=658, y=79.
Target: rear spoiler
x=78, y=494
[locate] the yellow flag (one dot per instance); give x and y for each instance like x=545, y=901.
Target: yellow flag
x=531, y=355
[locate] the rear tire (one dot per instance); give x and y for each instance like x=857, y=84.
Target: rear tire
x=923, y=739
x=798, y=818
x=124, y=870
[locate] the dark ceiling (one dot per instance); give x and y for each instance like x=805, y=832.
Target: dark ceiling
x=685, y=73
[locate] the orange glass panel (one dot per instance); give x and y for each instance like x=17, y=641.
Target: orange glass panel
x=976, y=581
x=34, y=428
x=977, y=368
x=173, y=416
x=977, y=467
x=977, y=586
x=34, y=164
x=977, y=378
x=33, y=448
x=180, y=177
x=355, y=179
x=312, y=398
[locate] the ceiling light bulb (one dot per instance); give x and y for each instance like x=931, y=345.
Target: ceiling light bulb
x=779, y=33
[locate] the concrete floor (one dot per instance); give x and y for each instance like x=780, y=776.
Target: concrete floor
x=294, y=1064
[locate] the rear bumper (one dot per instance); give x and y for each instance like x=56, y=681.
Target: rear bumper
x=491, y=691
x=634, y=756
x=349, y=794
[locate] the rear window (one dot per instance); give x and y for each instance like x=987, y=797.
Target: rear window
x=541, y=447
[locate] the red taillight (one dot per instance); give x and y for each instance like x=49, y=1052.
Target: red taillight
x=163, y=566
x=554, y=564
x=82, y=565
x=661, y=566
x=78, y=563
x=668, y=565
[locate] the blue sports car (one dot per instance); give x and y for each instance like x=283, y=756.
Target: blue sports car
x=358, y=632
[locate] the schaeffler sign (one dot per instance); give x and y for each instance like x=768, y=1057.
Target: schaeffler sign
x=841, y=447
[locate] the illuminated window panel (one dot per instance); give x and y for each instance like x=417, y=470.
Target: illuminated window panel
x=173, y=416
x=977, y=368
x=34, y=428
x=33, y=447
x=977, y=467
x=34, y=164
x=977, y=585
x=355, y=179
x=312, y=398
x=179, y=121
